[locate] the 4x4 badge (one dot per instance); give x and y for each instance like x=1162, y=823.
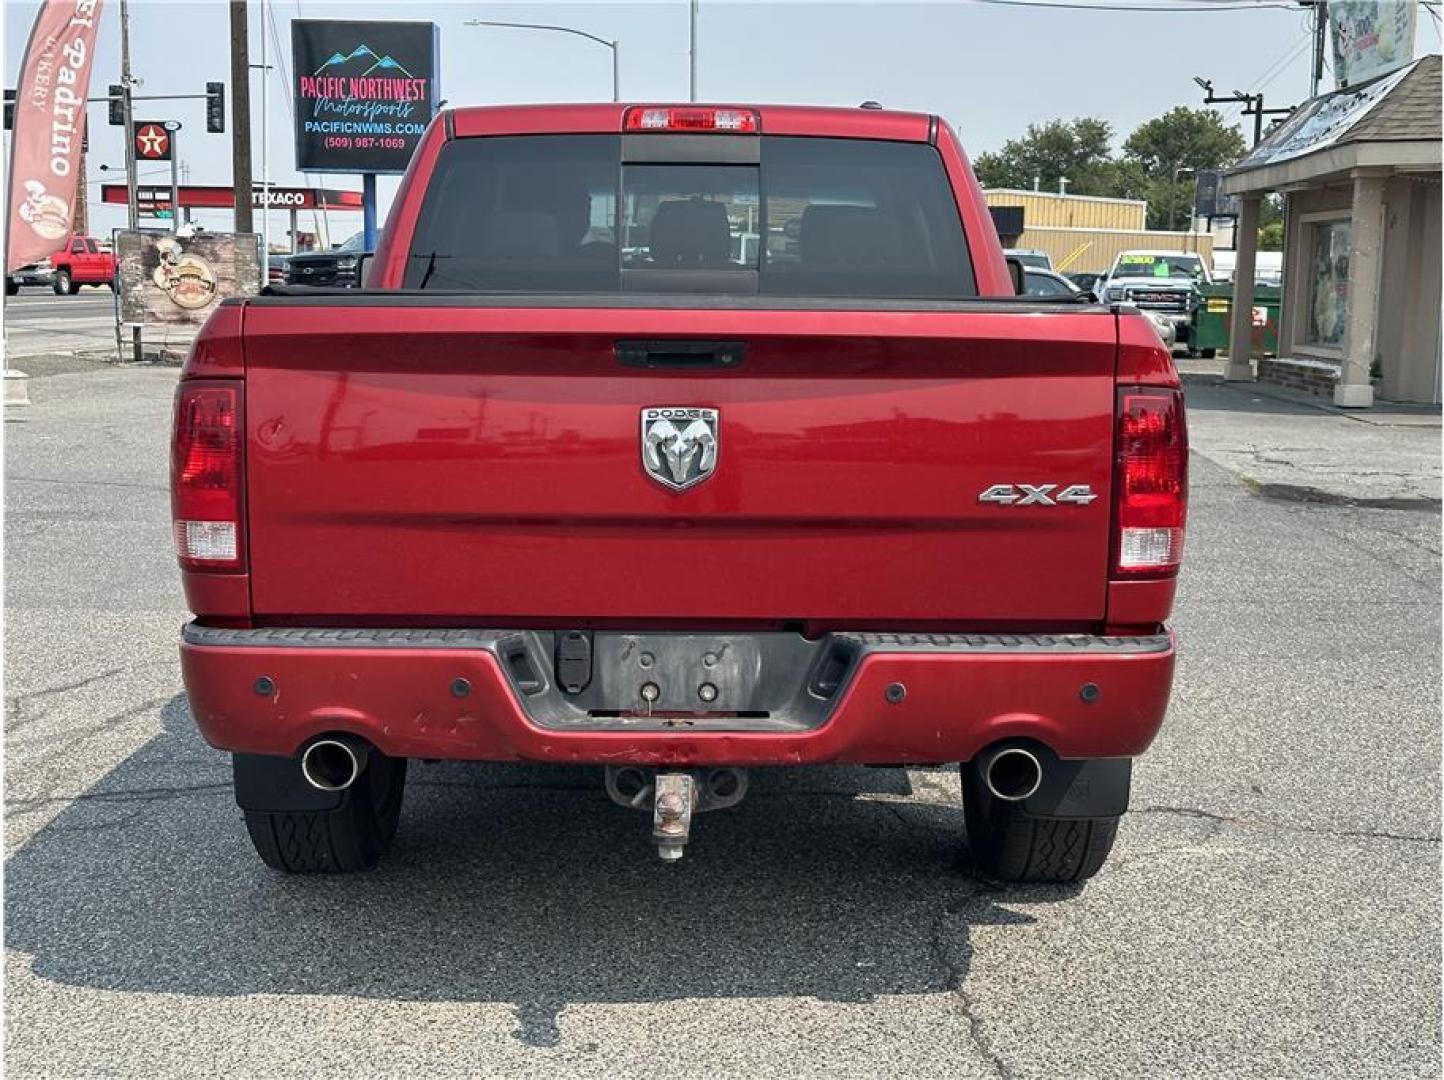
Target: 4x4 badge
x=679, y=444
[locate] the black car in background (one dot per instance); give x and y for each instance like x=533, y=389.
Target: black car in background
x=335, y=268
x=1086, y=282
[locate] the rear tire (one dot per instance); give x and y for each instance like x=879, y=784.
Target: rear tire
x=351, y=838
x=1009, y=844
x=1208, y=354
x=11, y=287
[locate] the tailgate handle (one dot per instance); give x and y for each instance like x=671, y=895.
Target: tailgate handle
x=680, y=354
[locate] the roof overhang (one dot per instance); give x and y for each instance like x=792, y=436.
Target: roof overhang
x=1335, y=161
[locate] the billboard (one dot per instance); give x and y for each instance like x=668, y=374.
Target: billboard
x=49, y=120
x=1371, y=38
x=170, y=280
x=364, y=93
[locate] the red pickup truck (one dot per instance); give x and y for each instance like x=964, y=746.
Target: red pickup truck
x=82, y=261
x=681, y=441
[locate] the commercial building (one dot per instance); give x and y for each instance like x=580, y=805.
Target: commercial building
x=1085, y=233
x=1360, y=171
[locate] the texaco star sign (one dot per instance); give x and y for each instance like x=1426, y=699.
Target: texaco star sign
x=152, y=141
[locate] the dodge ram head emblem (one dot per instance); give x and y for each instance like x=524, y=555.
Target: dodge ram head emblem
x=679, y=444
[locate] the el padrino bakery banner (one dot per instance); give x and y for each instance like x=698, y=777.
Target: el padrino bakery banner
x=49, y=128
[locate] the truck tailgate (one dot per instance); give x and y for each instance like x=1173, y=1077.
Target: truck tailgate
x=458, y=462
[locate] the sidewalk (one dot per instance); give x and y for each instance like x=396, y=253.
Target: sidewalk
x=1284, y=447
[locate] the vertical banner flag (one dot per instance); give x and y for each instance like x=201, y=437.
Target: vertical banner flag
x=49, y=126
x=1371, y=38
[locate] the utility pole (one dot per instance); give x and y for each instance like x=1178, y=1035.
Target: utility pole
x=1321, y=22
x=132, y=213
x=241, y=116
x=692, y=53
x=82, y=200
x=132, y=209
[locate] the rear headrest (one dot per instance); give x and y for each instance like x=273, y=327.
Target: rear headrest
x=690, y=232
x=521, y=234
x=847, y=236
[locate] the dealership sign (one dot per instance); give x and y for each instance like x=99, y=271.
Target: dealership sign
x=364, y=93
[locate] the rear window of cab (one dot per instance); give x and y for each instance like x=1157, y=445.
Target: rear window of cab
x=817, y=217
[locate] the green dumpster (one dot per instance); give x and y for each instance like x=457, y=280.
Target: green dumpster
x=1213, y=313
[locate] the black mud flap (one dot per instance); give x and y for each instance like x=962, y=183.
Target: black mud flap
x=274, y=785
x=1094, y=788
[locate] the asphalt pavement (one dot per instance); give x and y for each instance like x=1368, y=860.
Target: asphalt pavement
x=1271, y=909
x=37, y=321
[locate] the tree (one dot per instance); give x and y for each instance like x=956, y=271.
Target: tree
x=1271, y=236
x=1077, y=150
x=1168, y=150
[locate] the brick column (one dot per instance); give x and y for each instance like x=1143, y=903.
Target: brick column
x=1240, y=334
x=1366, y=263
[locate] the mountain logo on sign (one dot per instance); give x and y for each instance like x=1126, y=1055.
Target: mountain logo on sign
x=363, y=52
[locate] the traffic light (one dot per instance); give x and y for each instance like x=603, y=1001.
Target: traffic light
x=9, y=110
x=215, y=107
x=116, y=94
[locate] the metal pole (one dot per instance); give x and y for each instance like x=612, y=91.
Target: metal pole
x=616, y=75
x=265, y=158
x=133, y=214
x=1257, y=119
x=1321, y=22
x=241, y=116
x=174, y=185
x=132, y=209
x=293, y=230
x=692, y=82
x=368, y=211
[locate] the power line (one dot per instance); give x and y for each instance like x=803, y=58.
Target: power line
x=1277, y=68
x=1172, y=9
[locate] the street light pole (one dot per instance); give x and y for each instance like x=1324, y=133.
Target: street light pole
x=692, y=57
x=613, y=45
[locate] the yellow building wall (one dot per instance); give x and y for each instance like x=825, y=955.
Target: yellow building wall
x=1092, y=251
x=1041, y=208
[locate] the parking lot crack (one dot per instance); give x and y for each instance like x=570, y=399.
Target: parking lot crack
x=1283, y=826
x=15, y=704
x=954, y=975
x=130, y=795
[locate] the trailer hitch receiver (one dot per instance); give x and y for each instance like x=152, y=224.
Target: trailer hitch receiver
x=672, y=814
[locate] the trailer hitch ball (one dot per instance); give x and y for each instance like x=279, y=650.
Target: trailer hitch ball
x=676, y=796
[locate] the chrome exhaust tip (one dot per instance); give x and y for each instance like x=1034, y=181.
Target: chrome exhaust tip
x=333, y=762
x=1012, y=773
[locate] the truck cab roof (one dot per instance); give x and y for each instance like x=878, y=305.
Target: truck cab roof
x=594, y=118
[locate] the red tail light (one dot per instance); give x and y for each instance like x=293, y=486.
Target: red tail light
x=692, y=118
x=206, y=476
x=1150, y=483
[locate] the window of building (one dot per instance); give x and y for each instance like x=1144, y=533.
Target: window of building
x=1328, y=283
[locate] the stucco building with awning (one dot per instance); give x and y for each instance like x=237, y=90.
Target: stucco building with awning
x=1360, y=172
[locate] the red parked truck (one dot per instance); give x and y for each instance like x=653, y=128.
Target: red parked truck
x=681, y=441
x=82, y=261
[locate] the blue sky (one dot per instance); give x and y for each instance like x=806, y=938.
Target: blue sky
x=989, y=69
